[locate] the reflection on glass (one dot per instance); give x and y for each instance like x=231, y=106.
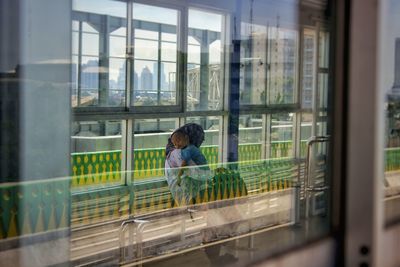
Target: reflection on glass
x=282, y=44
x=96, y=154
x=281, y=135
x=254, y=156
x=253, y=67
x=323, y=57
x=323, y=90
x=99, y=44
x=251, y=141
x=150, y=140
x=155, y=56
x=305, y=132
x=204, y=69
x=211, y=143
x=308, y=68
x=390, y=84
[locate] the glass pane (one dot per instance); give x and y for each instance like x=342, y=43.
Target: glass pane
x=90, y=44
x=244, y=176
x=305, y=132
x=117, y=46
x=74, y=80
x=389, y=72
x=168, y=37
x=210, y=145
x=86, y=27
x=308, y=68
x=121, y=31
x=155, y=14
x=150, y=140
x=193, y=55
x=145, y=49
x=168, y=83
x=103, y=7
x=282, y=135
x=96, y=154
x=117, y=72
x=251, y=140
x=89, y=84
x=145, y=93
x=75, y=25
x=155, y=52
x=252, y=65
x=323, y=57
x=168, y=51
x=205, y=71
x=146, y=34
x=103, y=38
x=323, y=90
x=75, y=43
x=283, y=65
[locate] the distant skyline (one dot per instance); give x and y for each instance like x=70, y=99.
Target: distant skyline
x=145, y=49
x=145, y=78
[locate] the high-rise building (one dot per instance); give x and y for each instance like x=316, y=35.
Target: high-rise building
x=146, y=79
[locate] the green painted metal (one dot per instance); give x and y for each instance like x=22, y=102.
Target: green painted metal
x=34, y=207
x=96, y=168
x=99, y=169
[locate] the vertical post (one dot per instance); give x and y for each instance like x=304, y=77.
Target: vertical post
x=204, y=70
x=365, y=131
x=233, y=124
x=104, y=61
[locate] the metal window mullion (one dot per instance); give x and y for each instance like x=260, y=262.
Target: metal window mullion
x=265, y=147
x=182, y=34
x=297, y=93
x=315, y=83
x=129, y=55
x=80, y=35
x=159, y=66
x=224, y=119
x=297, y=135
x=127, y=150
x=267, y=131
x=300, y=71
x=127, y=138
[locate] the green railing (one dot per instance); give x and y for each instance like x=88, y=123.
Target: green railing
x=392, y=159
x=34, y=207
x=103, y=168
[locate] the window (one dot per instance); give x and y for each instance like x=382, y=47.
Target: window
x=256, y=91
x=205, y=67
x=155, y=43
x=96, y=154
x=98, y=53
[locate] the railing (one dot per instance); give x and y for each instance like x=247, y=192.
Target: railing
x=34, y=207
x=103, y=168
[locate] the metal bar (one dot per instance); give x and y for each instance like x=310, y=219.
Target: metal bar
x=307, y=188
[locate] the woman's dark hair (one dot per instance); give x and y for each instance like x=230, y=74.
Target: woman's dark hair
x=195, y=133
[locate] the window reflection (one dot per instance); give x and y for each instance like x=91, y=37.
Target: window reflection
x=155, y=56
x=308, y=68
x=98, y=49
x=96, y=154
x=204, y=69
x=282, y=135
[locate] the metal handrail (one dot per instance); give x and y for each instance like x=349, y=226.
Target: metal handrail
x=307, y=187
